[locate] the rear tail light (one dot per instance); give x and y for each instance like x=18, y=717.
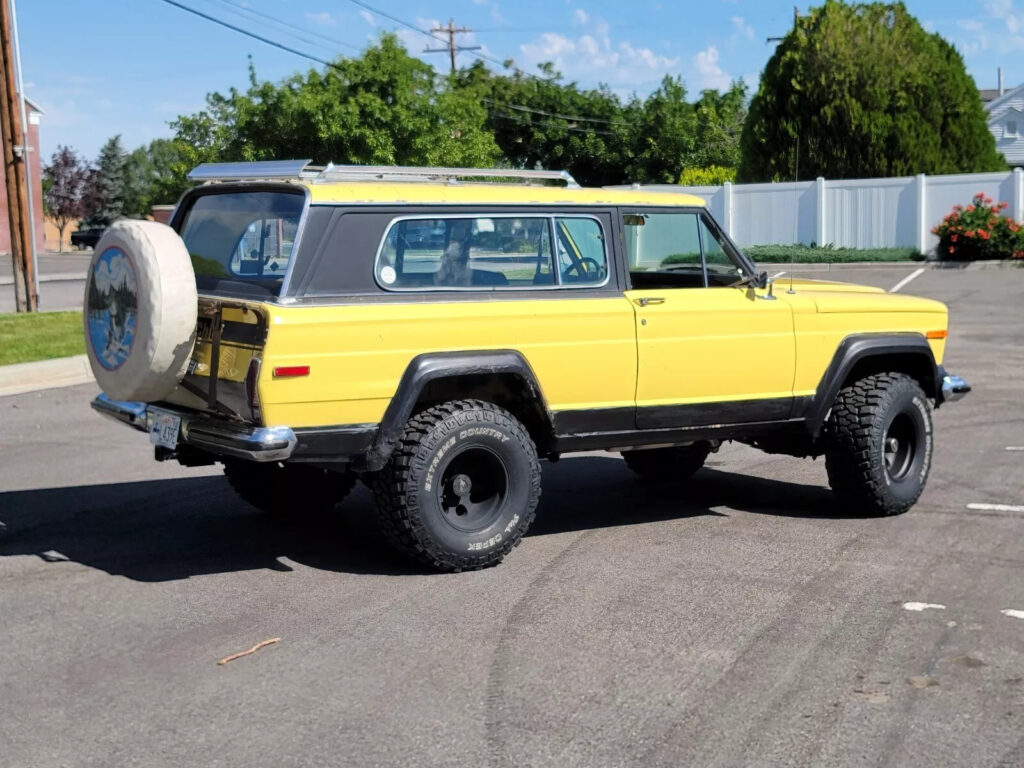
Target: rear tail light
x=252, y=392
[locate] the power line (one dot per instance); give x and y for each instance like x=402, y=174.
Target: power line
x=551, y=124
x=241, y=10
x=576, y=118
x=253, y=35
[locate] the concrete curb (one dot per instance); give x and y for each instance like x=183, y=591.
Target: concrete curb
x=44, y=374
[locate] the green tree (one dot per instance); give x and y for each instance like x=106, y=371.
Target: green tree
x=862, y=90
x=383, y=108
x=107, y=186
x=155, y=175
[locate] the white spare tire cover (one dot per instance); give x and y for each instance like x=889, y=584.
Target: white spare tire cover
x=140, y=310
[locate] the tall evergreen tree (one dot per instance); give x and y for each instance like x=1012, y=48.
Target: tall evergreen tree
x=862, y=90
x=108, y=185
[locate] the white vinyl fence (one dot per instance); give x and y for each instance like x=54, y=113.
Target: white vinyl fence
x=864, y=213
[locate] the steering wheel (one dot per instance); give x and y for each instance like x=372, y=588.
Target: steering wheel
x=586, y=268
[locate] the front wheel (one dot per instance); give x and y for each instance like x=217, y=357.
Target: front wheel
x=879, y=444
x=461, y=487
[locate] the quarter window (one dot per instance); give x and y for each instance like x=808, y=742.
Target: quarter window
x=491, y=252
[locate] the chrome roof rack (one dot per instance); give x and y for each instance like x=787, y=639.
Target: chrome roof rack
x=301, y=169
x=261, y=169
x=433, y=174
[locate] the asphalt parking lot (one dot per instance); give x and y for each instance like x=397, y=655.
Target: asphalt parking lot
x=737, y=620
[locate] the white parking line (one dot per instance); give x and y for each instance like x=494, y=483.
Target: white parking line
x=777, y=275
x=996, y=507
x=923, y=606
x=1015, y=447
x=1013, y=613
x=902, y=283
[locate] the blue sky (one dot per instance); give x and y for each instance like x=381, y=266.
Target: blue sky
x=129, y=66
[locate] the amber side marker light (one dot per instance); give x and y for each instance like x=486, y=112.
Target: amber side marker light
x=290, y=371
x=936, y=334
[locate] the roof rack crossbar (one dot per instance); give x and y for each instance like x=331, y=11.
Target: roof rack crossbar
x=434, y=174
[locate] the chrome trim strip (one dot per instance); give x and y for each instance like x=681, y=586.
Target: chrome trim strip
x=433, y=174
x=216, y=436
x=954, y=388
x=497, y=288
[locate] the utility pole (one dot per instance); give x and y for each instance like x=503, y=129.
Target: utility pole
x=16, y=169
x=796, y=21
x=451, y=30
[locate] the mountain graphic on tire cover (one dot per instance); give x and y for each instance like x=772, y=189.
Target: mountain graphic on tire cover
x=112, y=308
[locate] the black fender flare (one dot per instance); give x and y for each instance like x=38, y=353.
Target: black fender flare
x=857, y=348
x=432, y=366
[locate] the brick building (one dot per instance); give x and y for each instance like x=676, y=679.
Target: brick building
x=35, y=165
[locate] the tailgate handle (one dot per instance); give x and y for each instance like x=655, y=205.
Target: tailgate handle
x=646, y=301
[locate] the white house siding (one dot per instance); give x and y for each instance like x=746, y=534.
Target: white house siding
x=1008, y=108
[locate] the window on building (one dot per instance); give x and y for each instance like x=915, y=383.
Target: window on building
x=1011, y=129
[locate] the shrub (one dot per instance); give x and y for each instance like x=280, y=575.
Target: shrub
x=979, y=232
x=711, y=176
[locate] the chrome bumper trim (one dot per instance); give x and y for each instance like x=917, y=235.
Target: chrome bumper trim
x=954, y=388
x=218, y=437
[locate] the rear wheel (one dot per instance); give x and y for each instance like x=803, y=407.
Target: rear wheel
x=288, y=489
x=662, y=464
x=879, y=447
x=461, y=487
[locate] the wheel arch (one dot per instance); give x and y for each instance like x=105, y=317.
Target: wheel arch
x=500, y=376
x=865, y=354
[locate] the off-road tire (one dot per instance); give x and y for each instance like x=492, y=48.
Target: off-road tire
x=665, y=464
x=292, y=490
x=866, y=417
x=414, y=492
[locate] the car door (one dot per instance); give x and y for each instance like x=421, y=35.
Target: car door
x=709, y=351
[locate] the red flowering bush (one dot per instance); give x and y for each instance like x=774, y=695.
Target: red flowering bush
x=979, y=231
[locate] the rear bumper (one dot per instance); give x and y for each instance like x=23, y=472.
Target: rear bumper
x=222, y=438
x=953, y=387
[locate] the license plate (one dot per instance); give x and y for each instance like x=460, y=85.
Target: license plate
x=163, y=430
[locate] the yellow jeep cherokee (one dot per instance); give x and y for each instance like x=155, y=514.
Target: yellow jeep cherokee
x=437, y=332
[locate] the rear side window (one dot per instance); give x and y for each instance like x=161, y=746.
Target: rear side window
x=242, y=240
x=491, y=253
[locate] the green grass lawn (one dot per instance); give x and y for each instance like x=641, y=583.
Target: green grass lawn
x=39, y=336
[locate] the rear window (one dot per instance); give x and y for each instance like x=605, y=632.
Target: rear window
x=242, y=242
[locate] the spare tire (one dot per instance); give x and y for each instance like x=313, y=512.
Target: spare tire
x=140, y=310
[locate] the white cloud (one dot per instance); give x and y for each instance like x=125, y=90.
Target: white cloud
x=368, y=17
x=323, y=18
x=595, y=56
x=741, y=28
x=710, y=73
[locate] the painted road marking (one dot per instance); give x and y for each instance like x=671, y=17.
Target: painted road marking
x=1015, y=447
x=906, y=280
x=923, y=606
x=996, y=507
x=777, y=275
x=1012, y=613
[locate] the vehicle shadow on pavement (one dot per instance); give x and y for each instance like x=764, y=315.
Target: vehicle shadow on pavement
x=163, y=530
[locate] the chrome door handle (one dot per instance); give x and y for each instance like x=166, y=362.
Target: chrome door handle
x=648, y=300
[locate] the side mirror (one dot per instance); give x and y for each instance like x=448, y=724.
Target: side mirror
x=761, y=281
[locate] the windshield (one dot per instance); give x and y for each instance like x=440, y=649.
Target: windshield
x=242, y=242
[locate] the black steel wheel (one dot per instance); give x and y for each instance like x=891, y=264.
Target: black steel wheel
x=461, y=487
x=879, y=444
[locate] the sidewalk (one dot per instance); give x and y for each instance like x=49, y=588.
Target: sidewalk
x=45, y=374
x=54, y=278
